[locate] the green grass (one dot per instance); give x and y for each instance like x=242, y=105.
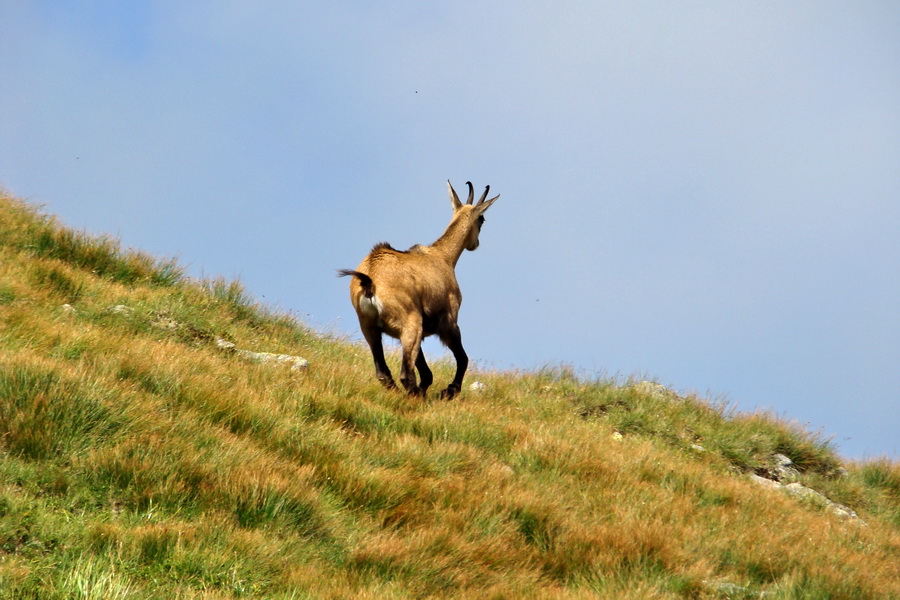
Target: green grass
x=45, y=418
x=140, y=460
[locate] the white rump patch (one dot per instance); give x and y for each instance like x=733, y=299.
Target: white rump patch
x=371, y=306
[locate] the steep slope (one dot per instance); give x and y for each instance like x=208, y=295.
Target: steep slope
x=144, y=457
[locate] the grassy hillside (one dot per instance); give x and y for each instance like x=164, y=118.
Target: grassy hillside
x=142, y=458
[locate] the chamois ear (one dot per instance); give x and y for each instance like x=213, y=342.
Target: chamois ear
x=454, y=199
x=483, y=205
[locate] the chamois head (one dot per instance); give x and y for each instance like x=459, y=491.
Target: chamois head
x=472, y=214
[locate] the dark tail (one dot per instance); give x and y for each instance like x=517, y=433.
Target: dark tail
x=367, y=284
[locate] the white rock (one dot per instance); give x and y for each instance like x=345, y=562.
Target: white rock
x=784, y=469
x=769, y=483
x=802, y=492
x=164, y=322
x=477, y=386
x=655, y=390
x=224, y=344
x=297, y=363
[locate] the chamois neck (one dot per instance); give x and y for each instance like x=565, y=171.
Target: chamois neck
x=453, y=241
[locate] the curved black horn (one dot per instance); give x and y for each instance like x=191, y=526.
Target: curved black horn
x=471, y=192
x=487, y=188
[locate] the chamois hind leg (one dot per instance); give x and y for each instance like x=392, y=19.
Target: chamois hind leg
x=453, y=340
x=382, y=372
x=425, y=376
x=411, y=342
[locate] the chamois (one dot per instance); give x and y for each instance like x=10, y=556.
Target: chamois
x=413, y=294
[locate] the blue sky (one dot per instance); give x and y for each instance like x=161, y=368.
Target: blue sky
x=705, y=194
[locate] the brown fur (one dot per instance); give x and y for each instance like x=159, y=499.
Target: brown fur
x=411, y=295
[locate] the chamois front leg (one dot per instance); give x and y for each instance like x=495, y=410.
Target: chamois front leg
x=411, y=342
x=453, y=340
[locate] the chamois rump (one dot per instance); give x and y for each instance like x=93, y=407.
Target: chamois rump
x=414, y=294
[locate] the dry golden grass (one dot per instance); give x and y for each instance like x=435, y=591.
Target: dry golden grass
x=139, y=460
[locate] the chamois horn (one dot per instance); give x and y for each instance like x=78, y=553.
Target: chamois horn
x=487, y=188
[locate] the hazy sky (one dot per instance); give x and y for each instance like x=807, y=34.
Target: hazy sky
x=704, y=194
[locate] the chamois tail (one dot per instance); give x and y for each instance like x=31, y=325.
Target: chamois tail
x=367, y=284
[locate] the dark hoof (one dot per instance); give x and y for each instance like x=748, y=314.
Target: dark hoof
x=415, y=392
x=388, y=383
x=450, y=392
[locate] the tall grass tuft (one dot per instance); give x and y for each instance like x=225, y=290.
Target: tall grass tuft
x=27, y=229
x=43, y=417
x=92, y=579
x=104, y=256
x=881, y=478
